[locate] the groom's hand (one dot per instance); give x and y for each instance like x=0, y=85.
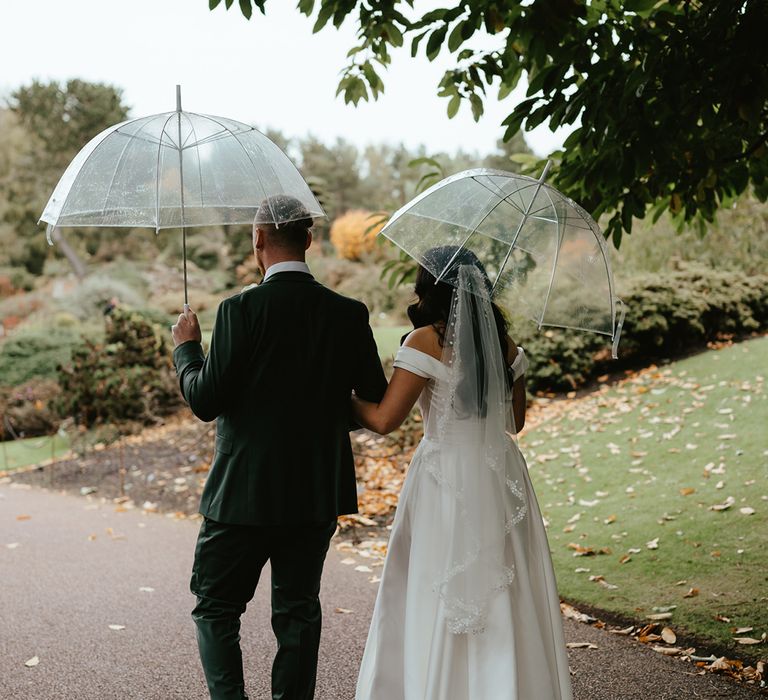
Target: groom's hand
x=186, y=328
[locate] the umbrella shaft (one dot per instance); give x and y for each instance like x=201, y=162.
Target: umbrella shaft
x=181, y=194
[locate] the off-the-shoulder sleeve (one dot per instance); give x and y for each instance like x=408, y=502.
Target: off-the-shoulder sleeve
x=520, y=364
x=420, y=363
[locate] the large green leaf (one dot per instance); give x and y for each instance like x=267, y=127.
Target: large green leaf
x=435, y=42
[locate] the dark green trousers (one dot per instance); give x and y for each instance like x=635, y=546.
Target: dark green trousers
x=228, y=563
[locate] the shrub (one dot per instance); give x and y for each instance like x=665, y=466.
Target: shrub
x=158, y=317
x=208, y=249
x=332, y=271
x=559, y=360
x=354, y=234
x=18, y=307
x=171, y=304
x=29, y=410
x=14, y=280
x=668, y=315
x=36, y=352
x=129, y=377
x=363, y=282
x=686, y=308
x=90, y=298
x=248, y=272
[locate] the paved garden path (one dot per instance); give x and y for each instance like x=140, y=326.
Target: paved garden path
x=71, y=567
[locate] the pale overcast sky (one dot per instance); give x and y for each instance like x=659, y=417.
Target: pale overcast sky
x=271, y=72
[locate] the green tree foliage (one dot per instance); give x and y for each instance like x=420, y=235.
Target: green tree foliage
x=334, y=173
x=508, y=154
x=382, y=177
x=669, y=97
x=17, y=161
x=385, y=177
x=48, y=124
x=738, y=241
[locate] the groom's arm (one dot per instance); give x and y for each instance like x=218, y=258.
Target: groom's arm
x=369, y=381
x=206, y=382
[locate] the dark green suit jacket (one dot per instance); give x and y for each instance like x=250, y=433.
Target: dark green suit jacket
x=284, y=359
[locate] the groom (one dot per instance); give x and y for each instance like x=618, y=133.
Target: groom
x=283, y=361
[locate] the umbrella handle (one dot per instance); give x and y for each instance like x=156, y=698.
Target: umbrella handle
x=184, y=256
x=619, y=327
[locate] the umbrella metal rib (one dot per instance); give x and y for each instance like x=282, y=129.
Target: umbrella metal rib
x=50, y=227
x=157, y=178
x=118, y=165
x=500, y=193
x=189, y=135
x=199, y=167
x=225, y=130
x=522, y=222
x=245, y=150
x=471, y=233
x=560, y=233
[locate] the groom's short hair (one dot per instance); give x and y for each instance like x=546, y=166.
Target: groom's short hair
x=286, y=220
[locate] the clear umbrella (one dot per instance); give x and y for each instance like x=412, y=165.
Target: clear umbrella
x=178, y=170
x=545, y=256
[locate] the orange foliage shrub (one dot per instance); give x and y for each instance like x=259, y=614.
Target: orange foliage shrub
x=6, y=286
x=353, y=234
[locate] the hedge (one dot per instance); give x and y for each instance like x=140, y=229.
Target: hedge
x=668, y=315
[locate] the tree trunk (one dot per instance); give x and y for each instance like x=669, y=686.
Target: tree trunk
x=74, y=260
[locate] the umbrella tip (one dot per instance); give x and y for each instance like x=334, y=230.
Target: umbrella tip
x=178, y=98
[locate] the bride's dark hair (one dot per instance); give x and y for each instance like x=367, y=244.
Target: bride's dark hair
x=434, y=300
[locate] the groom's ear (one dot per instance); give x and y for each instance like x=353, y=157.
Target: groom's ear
x=308, y=242
x=258, y=238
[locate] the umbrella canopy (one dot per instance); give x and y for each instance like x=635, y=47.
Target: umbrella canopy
x=545, y=256
x=177, y=170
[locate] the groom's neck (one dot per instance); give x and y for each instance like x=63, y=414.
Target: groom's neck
x=279, y=256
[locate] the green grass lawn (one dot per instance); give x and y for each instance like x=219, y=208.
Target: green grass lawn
x=643, y=462
x=388, y=339
x=21, y=453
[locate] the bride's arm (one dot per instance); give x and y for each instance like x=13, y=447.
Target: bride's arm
x=519, y=398
x=403, y=390
x=384, y=417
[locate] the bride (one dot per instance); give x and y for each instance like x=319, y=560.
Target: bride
x=467, y=608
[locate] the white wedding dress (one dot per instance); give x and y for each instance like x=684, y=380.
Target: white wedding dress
x=467, y=607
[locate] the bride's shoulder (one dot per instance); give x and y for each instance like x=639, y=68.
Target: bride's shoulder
x=426, y=340
x=512, y=350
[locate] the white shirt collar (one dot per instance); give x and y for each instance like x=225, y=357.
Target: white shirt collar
x=287, y=266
